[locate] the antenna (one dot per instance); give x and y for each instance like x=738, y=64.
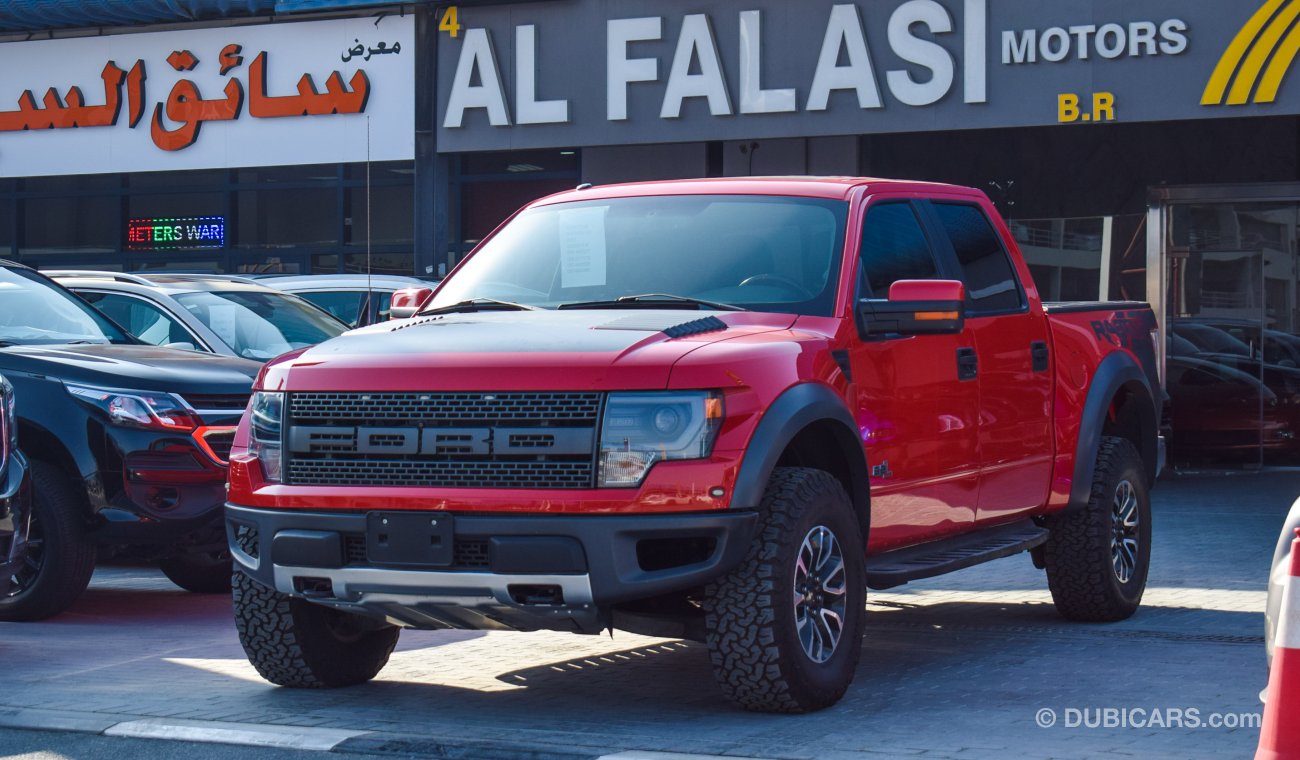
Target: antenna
x=370, y=288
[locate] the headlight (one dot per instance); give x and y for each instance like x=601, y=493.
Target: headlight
x=640, y=429
x=139, y=409
x=265, y=414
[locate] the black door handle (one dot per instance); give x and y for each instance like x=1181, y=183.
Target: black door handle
x=968, y=364
x=1038, y=350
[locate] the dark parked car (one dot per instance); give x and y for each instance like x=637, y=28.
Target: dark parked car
x=354, y=298
x=127, y=443
x=15, y=496
x=233, y=316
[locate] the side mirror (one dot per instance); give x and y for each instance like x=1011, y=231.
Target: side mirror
x=407, y=301
x=185, y=345
x=915, y=307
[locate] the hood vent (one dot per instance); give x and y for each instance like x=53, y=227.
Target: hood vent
x=696, y=327
x=417, y=322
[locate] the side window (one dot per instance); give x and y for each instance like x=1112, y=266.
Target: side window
x=347, y=305
x=142, y=319
x=893, y=248
x=985, y=268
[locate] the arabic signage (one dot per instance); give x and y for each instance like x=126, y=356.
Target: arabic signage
x=265, y=95
x=591, y=72
x=175, y=233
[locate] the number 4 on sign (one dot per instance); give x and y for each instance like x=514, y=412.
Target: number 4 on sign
x=450, y=21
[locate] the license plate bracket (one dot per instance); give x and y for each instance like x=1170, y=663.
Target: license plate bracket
x=421, y=539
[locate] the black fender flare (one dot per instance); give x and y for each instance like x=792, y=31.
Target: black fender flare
x=793, y=411
x=1114, y=372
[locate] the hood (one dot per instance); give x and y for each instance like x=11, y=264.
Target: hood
x=146, y=368
x=524, y=350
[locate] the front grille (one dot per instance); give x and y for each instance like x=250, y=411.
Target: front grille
x=445, y=407
x=469, y=553
x=442, y=439
x=220, y=442
x=232, y=402
x=416, y=473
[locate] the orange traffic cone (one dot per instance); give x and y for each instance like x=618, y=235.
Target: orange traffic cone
x=1279, y=736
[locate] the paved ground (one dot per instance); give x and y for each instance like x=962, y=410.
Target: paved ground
x=956, y=667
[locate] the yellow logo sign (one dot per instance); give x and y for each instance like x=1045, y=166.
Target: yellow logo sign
x=1260, y=54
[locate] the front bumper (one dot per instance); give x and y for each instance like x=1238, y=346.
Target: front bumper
x=15, y=511
x=533, y=572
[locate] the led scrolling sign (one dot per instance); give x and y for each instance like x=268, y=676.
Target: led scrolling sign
x=175, y=233
x=184, y=109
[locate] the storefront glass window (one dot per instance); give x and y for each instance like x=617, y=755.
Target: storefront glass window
x=389, y=210
x=1232, y=321
x=70, y=224
x=156, y=205
x=380, y=263
x=283, y=218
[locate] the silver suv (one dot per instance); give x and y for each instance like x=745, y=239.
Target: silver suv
x=218, y=314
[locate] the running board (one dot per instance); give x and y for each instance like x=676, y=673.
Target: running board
x=894, y=568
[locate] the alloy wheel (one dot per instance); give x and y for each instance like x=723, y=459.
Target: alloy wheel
x=1125, y=524
x=820, y=594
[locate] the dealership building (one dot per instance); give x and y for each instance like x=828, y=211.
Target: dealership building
x=1140, y=150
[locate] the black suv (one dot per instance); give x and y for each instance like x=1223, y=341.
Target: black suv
x=15, y=494
x=127, y=445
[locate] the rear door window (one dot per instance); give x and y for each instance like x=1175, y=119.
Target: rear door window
x=991, y=284
x=894, y=247
x=145, y=320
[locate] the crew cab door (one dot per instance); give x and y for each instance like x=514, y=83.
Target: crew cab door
x=917, y=418
x=1014, y=367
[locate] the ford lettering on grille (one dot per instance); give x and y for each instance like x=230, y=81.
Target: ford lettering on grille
x=463, y=440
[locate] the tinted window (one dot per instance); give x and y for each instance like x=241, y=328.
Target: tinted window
x=894, y=248
x=986, y=270
x=142, y=319
x=35, y=312
x=344, y=304
x=261, y=325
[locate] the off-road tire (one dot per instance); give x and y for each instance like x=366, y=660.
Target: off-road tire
x=757, y=657
x=66, y=559
x=200, y=572
x=1078, y=556
x=295, y=643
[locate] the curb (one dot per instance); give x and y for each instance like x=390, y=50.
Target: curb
x=311, y=738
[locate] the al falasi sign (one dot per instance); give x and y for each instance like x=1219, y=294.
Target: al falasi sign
x=276, y=94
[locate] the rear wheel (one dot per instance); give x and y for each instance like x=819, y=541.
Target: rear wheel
x=201, y=572
x=295, y=643
x=57, y=559
x=1097, y=558
x=784, y=629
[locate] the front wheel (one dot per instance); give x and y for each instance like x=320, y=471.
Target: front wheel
x=57, y=559
x=784, y=629
x=1097, y=558
x=292, y=642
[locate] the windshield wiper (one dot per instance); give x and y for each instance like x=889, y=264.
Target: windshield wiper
x=653, y=301
x=481, y=304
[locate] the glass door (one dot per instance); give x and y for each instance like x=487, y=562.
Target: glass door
x=1232, y=365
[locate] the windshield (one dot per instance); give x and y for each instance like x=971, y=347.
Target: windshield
x=766, y=253
x=261, y=325
x=34, y=312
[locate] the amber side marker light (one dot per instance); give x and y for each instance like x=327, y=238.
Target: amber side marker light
x=935, y=316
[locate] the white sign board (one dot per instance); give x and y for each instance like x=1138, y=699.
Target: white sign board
x=265, y=95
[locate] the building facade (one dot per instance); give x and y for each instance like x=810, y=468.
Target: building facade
x=1140, y=150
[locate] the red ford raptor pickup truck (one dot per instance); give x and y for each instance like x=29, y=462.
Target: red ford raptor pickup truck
x=716, y=409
